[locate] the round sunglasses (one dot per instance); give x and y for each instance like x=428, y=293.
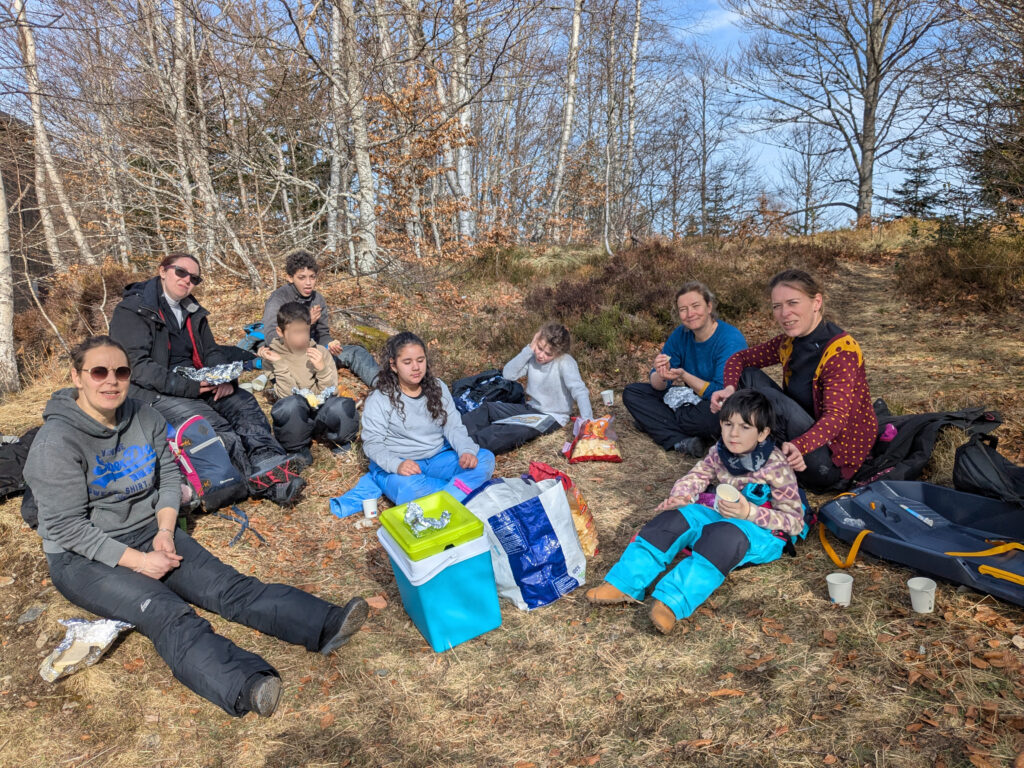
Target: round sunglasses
x=100, y=372
x=182, y=273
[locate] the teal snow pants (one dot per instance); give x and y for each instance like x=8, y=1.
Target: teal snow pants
x=719, y=545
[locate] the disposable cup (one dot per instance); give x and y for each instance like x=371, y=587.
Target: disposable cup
x=840, y=588
x=922, y=594
x=370, y=507
x=726, y=492
x=608, y=397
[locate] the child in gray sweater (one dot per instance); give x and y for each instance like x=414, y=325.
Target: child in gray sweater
x=553, y=384
x=412, y=433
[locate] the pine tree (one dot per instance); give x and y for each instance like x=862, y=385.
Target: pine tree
x=916, y=196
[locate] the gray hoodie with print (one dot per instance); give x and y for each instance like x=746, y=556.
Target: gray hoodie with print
x=92, y=483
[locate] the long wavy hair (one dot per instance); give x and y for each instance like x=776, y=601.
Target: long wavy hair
x=387, y=381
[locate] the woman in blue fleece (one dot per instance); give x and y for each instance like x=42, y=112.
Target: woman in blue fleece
x=108, y=492
x=674, y=405
x=412, y=433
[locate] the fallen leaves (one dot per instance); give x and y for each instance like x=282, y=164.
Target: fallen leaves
x=729, y=692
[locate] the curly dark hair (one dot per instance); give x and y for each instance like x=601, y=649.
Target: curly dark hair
x=298, y=259
x=387, y=381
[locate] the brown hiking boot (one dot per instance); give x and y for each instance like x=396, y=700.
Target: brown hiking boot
x=662, y=617
x=606, y=594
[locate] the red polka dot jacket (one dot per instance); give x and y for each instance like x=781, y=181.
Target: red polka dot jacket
x=844, y=417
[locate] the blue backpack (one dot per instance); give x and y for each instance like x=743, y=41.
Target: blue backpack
x=204, y=462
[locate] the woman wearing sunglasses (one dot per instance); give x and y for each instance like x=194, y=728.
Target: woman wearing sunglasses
x=163, y=327
x=108, y=492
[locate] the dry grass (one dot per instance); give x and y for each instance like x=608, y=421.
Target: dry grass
x=767, y=673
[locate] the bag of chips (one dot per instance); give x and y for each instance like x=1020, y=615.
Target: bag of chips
x=593, y=440
x=581, y=515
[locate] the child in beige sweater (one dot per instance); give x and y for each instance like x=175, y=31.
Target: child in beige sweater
x=306, y=382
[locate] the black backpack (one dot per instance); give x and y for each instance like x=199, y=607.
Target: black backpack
x=905, y=456
x=471, y=392
x=980, y=468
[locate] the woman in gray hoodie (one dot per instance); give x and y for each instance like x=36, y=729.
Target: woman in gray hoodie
x=108, y=492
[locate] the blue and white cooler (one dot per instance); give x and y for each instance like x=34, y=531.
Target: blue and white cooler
x=445, y=576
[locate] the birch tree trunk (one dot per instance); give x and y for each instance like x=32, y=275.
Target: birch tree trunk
x=343, y=18
x=627, y=169
x=46, y=215
x=27, y=46
x=8, y=361
x=568, y=108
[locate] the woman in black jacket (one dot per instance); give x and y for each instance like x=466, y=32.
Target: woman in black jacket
x=163, y=327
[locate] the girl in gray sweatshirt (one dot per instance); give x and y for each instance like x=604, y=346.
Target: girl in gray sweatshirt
x=553, y=385
x=412, y=433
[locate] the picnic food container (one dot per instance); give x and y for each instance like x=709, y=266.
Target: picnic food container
x=462, y=527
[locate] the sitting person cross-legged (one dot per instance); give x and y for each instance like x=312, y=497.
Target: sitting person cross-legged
x=674, y=405
x=412, y=433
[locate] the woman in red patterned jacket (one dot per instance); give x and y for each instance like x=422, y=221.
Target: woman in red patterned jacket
x=823, y=408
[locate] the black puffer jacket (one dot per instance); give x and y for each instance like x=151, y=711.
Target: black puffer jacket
x=137, y=325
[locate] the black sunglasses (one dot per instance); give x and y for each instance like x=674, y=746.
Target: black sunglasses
x=182, y=272
x=100, y=373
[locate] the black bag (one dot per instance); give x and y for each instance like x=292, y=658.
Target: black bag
x=12, y=478
x=12, y=464
x=905, y=456
x=490, y=386
x=980, y=468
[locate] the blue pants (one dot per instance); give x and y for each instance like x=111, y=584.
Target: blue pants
x=719, y=545
x=441, y=472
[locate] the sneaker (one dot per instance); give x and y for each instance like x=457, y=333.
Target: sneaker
x=277, y=480
x=340, y=450
x=690, y=446
x=662, y=617
x=265, y=695
x=606, y=594
x=352, y=617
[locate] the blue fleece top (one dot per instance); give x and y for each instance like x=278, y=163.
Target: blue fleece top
x=704, y=359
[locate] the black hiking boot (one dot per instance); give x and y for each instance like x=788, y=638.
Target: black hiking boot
x=265, y=695
x=352, y=617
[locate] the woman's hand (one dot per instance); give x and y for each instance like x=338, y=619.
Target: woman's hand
x=737, y=509
x=164, y=541
x=222, y=390
x=408, y=468
x=794, y=458
x=673, y=502
x=718, y=399
x=157, y=564
x=467, y=461
x=316, y=357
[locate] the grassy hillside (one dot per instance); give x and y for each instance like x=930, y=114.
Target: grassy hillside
x=766, y=673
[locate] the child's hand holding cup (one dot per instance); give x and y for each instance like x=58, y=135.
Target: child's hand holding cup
x=729, y=502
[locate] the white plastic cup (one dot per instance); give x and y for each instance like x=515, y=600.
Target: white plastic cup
x=608, y=397
x=840, y=588
x=922, y=594
x=726, y=492
x=370, y=508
